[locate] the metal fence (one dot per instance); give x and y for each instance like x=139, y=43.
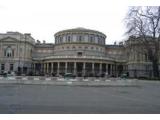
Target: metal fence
x=87, y=73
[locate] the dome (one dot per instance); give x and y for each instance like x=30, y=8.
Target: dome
x=80, y=30
x=80, y=35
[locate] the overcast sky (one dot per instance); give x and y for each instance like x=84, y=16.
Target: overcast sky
x=43, y=18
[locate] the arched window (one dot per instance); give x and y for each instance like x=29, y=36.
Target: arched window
x=9, y=52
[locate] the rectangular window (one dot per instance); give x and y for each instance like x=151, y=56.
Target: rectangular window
x=146, y=57
x=60, y=39
x=86, y=47
x=2, y=67
x=79, y=53
x=79, y=38
x=69, y=38
x=12, y=53
x=11, y=67
x=91, y=39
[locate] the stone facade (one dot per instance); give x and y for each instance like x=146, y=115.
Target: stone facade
x=16, y=51
x=80, y=51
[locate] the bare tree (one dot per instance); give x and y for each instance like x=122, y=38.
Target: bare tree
x=144, y=24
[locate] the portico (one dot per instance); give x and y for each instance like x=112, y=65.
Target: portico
x=78, y=68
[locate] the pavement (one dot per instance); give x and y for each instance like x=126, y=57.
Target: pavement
x=79, y=81
x=52, y=99
x=80, y=96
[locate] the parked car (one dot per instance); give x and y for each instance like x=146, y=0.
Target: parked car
x=124, y=75
x=69, y=75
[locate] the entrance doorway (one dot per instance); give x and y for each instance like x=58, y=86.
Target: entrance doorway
x=79, y=69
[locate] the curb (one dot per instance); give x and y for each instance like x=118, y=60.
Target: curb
x=70, y=82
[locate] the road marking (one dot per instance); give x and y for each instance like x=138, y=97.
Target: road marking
x=85, y=80
x=107, y=80
x=24, y=78
x=36, y=78
x=72, y=79
x=69, y=82
x=60, y=79
x=48, y=79
x=11, y=78
x=97, y=80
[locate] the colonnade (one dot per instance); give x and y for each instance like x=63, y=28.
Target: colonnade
x=76, y=68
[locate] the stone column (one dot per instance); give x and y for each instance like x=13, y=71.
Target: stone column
x=44, y=67
x=84, y=69
x=41, y=67
x=93, y=68
x=52, y=67
x=66, y=67
x=47, y=67
x=100, y=68
x=75, y=68
x=116, y=70
x=111, y=69
x=34, y=68
x=107, y=68
x=57, y=68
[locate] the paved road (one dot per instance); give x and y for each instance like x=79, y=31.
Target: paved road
x=75, y=99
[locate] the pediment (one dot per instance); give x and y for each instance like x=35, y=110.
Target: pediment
x=8, y=39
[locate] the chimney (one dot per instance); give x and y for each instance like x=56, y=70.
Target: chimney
x=38, y=41
x=121, y=43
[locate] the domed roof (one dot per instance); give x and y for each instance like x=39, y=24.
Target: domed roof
x=80, y=30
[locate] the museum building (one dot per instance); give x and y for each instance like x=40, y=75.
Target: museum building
x=79, y=51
